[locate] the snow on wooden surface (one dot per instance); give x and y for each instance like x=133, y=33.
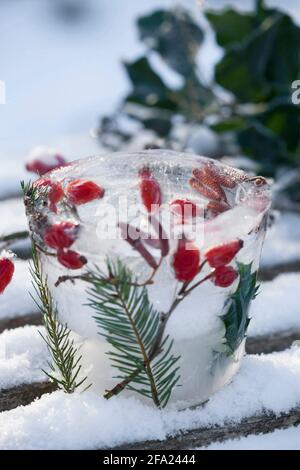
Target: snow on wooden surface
x=282, y=241
x=264, y=383
x=281, y=439
x=277, y=307
x=13, y=218
x=16, y=300
x=23, y=355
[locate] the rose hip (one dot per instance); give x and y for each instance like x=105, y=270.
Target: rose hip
x=215, y=208
x=55, y=191
x=186, y=261
x=43, y=160
x=82, y=191
x=184, y=208
x=150, y=190
x=221, y=255
x=7, y=269
x=71, y=259
x=61, y=235
x=224, y=276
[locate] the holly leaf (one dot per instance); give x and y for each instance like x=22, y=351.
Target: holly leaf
x=236, y=320
x=230, y=26
x=148, y=88
x=259, y=67
x=231, y=124
x=174, y=35
x=283, y=119
x=264, y=146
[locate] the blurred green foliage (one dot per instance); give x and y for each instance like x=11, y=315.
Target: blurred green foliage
x=259, y=64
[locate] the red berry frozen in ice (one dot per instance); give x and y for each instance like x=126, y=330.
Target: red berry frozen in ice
x=81, y=191
x=224, y=276
x=221, y=255
x=186, y=261
x=71, y=259
x=61, y=235
x=42, y=160
x=184, y=209
x=214, y=208
x=150, y=190
x=7, y=269
x=55, y=190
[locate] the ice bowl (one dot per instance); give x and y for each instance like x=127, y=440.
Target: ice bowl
x=185, y=233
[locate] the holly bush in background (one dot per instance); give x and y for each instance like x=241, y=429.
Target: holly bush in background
x=260, y=62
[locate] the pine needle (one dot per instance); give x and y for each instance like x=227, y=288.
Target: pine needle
x=65, y=361
x=131, y=326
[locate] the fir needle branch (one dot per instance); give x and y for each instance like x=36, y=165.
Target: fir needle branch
x=65, y=365
x=146, y=359
x=157, y=345
x=156, y=348
x=131, y=325
x=85, y=277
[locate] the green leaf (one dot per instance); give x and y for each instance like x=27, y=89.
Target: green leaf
x=132, y=327
x=264, y=146
x=230, y=25
x=174, y=35
x=230, y=124
x=148, y=88
x=161, y=126
x=236, y=319
x=259, y=66
x=193, y=98
x=283, y=119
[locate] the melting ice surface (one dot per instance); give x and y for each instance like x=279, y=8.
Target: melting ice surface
x=195, y=326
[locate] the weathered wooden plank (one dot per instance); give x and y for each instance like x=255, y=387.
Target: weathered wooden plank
x=203, y=436
x=10, y=323
x=269, y=273
x=270, y=343
x=24, y=394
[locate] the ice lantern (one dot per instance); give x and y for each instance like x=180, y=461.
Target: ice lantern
x=188, y=229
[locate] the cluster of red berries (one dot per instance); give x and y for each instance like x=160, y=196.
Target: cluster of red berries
x=7, y=269
x=61, y=235
x=77, y=192
x=42, y=160
x=186, y=262
x=210, y=182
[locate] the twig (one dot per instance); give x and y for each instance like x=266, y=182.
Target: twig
x=156, y=349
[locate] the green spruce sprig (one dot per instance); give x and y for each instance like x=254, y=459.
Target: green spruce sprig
x=30, y=192
x=132, y=327
x=65, y=364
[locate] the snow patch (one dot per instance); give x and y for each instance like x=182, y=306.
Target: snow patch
x=23, y=354
x=282, y=241
x=16, y=300
x=12, y=216
x=277, y=307
x=264, y=383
